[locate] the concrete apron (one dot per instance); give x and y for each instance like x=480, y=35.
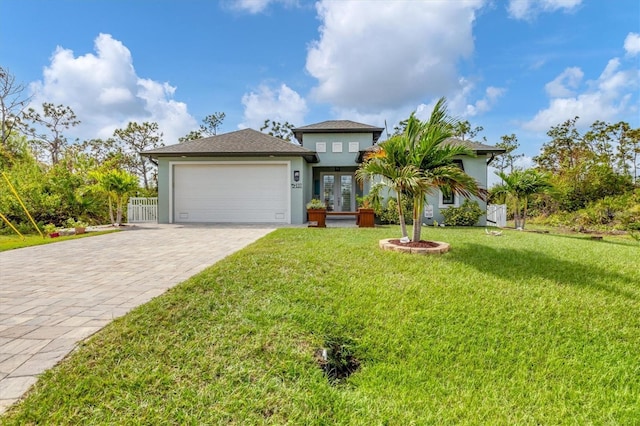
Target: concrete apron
x=55, y=295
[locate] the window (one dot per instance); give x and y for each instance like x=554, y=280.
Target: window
x=336, y=147
x=321, y=147
x=354, y=146
x=448, y=198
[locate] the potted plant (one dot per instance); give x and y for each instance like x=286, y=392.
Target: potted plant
x=366, y=214
x=79, y=226
x=51, y=230
x=317, y=213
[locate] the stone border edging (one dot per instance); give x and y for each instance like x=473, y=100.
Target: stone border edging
x=441, y=248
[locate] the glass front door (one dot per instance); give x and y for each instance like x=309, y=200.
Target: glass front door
x=338, y=192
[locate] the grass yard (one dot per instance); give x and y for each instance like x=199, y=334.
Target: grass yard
x=10, y=242
x=520, y=329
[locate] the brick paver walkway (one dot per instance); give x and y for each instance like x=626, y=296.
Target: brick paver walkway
x=55, y=295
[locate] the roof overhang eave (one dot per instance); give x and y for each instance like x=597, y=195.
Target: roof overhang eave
x=311, y=157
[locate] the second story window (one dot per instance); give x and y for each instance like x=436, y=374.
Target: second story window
x=336, y=147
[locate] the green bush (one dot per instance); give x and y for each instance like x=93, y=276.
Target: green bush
x=465, y=215
x=389, y=213
x=621, y=212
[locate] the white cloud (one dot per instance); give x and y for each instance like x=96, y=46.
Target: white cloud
x=632, y=44
x=258, y=6
x=461, y=105
x=529, y=9
x=105, y=92
x=373, y=56
x=601, y=99
x=280, y=104
x=565, y=84
x=486, y=103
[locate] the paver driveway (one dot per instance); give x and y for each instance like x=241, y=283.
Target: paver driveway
x=55, y=295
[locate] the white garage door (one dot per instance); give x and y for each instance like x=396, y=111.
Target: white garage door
x=240, y=193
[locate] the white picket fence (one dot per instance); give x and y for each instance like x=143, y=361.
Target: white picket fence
x=141, y=209
x=497, y=215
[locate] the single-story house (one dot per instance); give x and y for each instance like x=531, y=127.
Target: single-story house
x=250, y=177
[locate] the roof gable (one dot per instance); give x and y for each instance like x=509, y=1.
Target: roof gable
x=337, y=126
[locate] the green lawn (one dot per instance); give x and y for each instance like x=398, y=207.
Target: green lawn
x=10, y=242
x=520, y=329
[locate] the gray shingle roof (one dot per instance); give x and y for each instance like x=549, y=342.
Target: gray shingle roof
x=478, y=147
x=338, y=126
x=244, y=142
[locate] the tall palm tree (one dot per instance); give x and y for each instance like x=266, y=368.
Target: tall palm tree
x=434, y=158
x=519, y=186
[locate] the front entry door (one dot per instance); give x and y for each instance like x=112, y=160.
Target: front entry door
x=338, y=192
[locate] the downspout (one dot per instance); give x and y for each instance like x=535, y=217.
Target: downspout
x=493, y=156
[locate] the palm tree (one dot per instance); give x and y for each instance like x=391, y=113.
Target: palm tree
x=390, y=163
x=434, y=158
x=417, y=162
x=117, y=185
x=519, y=186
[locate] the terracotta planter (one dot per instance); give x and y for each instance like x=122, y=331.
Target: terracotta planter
x=317, y=218
x=366, y=218
x=80, y=230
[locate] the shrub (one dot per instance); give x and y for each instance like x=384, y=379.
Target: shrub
x=465, y=215
x=389, y=214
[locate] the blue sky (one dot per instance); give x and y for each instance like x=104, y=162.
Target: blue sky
x=516, y=66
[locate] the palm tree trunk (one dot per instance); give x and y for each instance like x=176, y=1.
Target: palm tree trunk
x=418, y=205
x=119, y=210
x=403, y=225
x=111, y=210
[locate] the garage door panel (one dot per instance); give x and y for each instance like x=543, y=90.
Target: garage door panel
x=231, y=193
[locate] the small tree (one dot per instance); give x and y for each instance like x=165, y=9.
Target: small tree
x=518, y=187
x=417, y=162
x=117, y=185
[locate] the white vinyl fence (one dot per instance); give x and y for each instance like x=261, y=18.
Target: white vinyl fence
x=497, y=215
x=141, y=209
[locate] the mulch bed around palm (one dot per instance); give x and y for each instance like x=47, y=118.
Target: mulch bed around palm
x=416, y=244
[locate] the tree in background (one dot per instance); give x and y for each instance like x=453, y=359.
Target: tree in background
x=278, y=129
x=582, y=167
x=517, y=188
x=463, y=130
x=135, y=139
x=507, y=160
x=12, y=104
x=56, y=120
x=209, y=127
x=628, y=149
